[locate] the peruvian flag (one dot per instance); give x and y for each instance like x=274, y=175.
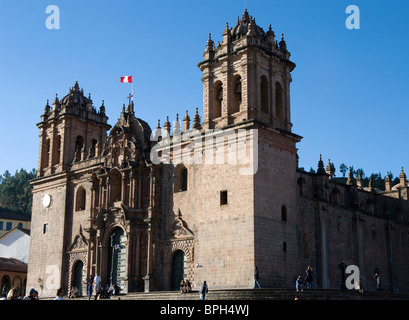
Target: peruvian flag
x=127, y=79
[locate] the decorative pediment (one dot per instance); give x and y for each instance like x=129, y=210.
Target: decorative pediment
x=79, y=244
x=180, y=231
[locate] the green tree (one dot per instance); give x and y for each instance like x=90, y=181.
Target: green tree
x=343, y=168
x=15, y=191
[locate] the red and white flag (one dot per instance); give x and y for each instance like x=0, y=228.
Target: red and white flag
x=127, y=79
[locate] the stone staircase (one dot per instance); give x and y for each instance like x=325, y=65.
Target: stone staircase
x=263, y=294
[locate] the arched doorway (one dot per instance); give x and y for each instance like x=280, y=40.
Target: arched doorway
x=179, y=269
x=17, y=283
x=117, y=258
x=5, y=284
x=78, y=276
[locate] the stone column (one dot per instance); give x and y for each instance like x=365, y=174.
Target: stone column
x=148, y=278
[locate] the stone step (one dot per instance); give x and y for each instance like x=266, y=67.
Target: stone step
x=263, y=294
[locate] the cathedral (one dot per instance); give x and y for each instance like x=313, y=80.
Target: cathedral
x=206, y=199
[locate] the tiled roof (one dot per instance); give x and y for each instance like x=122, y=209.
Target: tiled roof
x=10, y=215
x=12, y=264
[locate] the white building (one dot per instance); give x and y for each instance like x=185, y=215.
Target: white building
x=15, y=244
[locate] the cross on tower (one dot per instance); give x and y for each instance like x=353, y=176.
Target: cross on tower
x=130, y=97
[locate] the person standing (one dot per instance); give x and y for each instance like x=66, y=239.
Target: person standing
x=89, y=290
x=203, y=290
x=308, y=277
x=97, y=280
x=299, y=284
x=377, y=277
x=256, y=278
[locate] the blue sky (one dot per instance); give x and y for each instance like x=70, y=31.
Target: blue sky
x=349, y=95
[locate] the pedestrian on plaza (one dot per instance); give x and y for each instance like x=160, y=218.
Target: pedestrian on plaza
x=203, y=290
x=89, y=290
x=97, y=280
x=299, y=286
x=60, y=294
x=256, y=278
x=377, y=277
x=308, y=277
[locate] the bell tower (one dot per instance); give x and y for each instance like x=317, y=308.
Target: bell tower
x=72, y=130
x=246, y=77
x=246, y=85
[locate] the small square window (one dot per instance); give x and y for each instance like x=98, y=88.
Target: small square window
x=45, y=228
x=223, y=197
x=8, y=226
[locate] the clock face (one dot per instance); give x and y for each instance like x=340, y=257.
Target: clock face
x=46, y=200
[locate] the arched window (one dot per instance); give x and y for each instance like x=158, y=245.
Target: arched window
x=236, y=94
x=264, y=94
x=217, y=99
x=92, y=148
x=80, y=199
x=79, y=143
x=180, y=178
x=283, y=213
x=57, y=150
x=46, y=153
x=279, y=101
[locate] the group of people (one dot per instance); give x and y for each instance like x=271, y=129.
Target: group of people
x=101, y=292
x=13, y=294
x=299, y=283
x=185, y=286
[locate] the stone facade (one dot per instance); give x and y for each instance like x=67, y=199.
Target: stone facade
x=208, y=201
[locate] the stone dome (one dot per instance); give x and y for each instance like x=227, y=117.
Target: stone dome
x=75, y=97
x=242, y=27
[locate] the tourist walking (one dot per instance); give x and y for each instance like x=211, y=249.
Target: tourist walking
x=203, y=290
x=308, y=277
x=89, y=290
x=256, y=278
x=299, y=286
